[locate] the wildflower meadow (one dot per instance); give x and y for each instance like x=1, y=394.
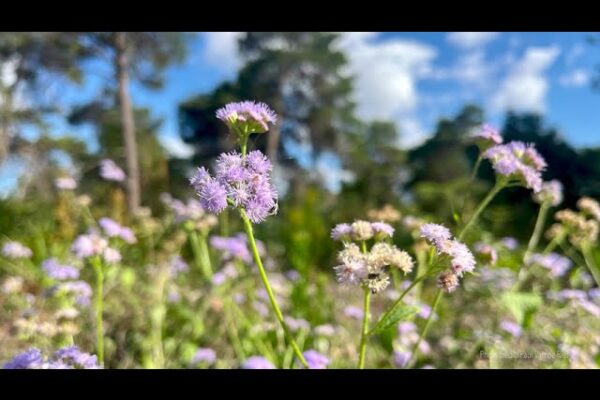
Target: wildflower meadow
x=292, y=233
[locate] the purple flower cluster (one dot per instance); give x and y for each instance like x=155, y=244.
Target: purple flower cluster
x=518, y=161
x=177, y=266
x=16, y=250
x=247, y=117
x=235, y=247
x=511, y=327
x=58, y=271
x=80, y=289
x=204, y=355
x=551, y=192
x=191, y=210
x=316, y=360
x=257, y=362
x=461, y=258
x=92, y=244
x=241, y=181
x=65, y=183
x=487, y=136
x=110, y=171
x=113, y=229
x=486, y=253
x=554, y=262
x=66, y=358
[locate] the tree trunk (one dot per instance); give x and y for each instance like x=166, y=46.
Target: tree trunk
x=127, y=123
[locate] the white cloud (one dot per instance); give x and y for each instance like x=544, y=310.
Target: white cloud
x=175, y=146
x=469, y=40
x=221, y=51
x=525, y=86
x=470, y=68
x=386, y=75
x=575, y=78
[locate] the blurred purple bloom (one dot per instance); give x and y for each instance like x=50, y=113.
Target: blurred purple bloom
x=590, y=307
x=29, y=359
x=257, y=362
x=325, y=330
x=435, y=233
x=177, y=266
x=382, y=229
x=401, y=358
x=65, y=183
x=111, y=171
x=551, y=192
x=111, y=256
x=353, y=312
x=510, y=243
x=341, y=232
x=487, y=135
x=296, y=324
x=16, y=250
x=513, y=328
x=316, y=360
x=554, y=262
x=75, y=358
x=80, y=289
x=518, y=161
x=204, y=355
x=89, y=245
x=60, y=272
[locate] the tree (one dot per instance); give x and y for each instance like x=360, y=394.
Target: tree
x=141, y=57
x=28, y=62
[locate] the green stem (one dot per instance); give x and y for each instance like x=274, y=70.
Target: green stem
x=200, y=250
x=404, y=293
x=267, y=285
x=497, y=188
x=537, y=231
x=97, y=265
x=476, y=167
x=591, y=263
x=365, y=328
x=415, y=349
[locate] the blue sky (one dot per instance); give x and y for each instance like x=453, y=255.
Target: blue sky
x=410, y=78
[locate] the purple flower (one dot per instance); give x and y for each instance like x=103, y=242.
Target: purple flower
x=247, y=117
x=16, y=250
x=353, y=312
x=245, y=182
x=65, y=183
x=462, y=258
x=29, y=359
x=341, y=232
x=296, y=324
x=204, y=355
x=510, y=243
x=406, y=327
x=178, y=265
x=111, y=227
x=435, y=233
x=75, y=358
x=382, y=230
x=111, y=171
x=486, y=253
x=89, y=245
x=351, y=272
x=401, y=358
x=234, y=247
x=554, y=262
x=316, y=360
x=487, y=136
x=514, y=329
x=257, y=362
x=325, y=330
x=59, y=272
x=518, y=161
x=80, y=289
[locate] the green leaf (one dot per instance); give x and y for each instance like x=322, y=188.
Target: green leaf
x=399, y=313
x=521, y=305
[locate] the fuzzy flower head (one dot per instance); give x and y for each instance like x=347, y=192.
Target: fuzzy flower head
x=89, y=245
x=65, y=183
x=56, y=270
x=30, y=359
x=341, y=232
x=435, y=233
x=551, y=193
x=66, y=358
x=204, y=355
x=519, y=162
x=74, y=358
x=381, y=230
x=486, y=253
x=486, y=136
x=235, y=247
x=448, y=281
x=247, y=117
x=553, y=262
x=257, y=362
x=386, y=214
x=15, y=250
x=590, y=207
x=110, y=171
x=243, y=182
x=112, y=228
x=316, y=360
x=81, y=291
